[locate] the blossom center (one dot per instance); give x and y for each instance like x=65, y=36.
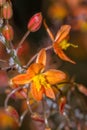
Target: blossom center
x=39, y=81
x=64, y=45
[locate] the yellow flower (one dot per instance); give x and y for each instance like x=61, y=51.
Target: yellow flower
x=60, y=41
x=40, y=81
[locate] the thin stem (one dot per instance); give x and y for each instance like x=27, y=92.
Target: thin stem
x=8, y=68
x=28, y=101
x=10, y=94
x=23, y=115
x=44, y=110
x=33, y=58
x=22, y=40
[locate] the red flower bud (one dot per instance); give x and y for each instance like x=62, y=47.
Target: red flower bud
x=2, y=2
x=8, y=32
x=7, y=10
x=62, y=103
x=35, y=22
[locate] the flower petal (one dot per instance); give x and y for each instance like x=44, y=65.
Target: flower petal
x=62, y=33
x=61, y=54
x=49, y=92
x=21, y=79
x=48, y=30
x=54, y=76
x=35, y=69
x=41, y=58
x=35, y=93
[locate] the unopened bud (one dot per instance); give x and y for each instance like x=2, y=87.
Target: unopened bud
x=62, y=103
x=8, y=32
x=35, y=22
x=7, y=10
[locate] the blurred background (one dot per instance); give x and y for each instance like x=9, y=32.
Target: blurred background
x=56, y=13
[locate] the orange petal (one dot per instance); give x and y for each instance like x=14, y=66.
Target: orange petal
x=35, y=93
x=62, y=33
x=61, y=54
x=41, y=58
x=35, y=69
x=49, y=92
x=55, y=76
x=48, y=30
x=21, y=79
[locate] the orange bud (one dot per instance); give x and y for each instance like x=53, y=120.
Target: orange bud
x=35, y=22
x=2, y=2
x=7, y=10
x=12, y=112
x=7, y=121
x=8, y=33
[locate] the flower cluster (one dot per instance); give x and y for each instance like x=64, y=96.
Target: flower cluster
x=34, y=83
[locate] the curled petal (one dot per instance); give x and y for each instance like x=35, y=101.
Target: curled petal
x=49, y=92
x=62, y=33
x=61, y=54
x=41, y=58
x=35, y=69
x=21, y=79
x=55, y=76
x=37, y=95
x=48, y=30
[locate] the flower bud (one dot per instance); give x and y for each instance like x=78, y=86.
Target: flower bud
x=35, y=22
x=2, y=2
x=12, y=112
x=8, y=32
x=62, y=103
x=7, y=121
x=7, y=10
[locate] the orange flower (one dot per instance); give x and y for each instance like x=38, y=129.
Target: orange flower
x=41, y=82
x=60, y=41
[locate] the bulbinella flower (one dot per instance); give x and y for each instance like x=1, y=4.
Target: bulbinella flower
x=40, y=81
x=60, y=41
